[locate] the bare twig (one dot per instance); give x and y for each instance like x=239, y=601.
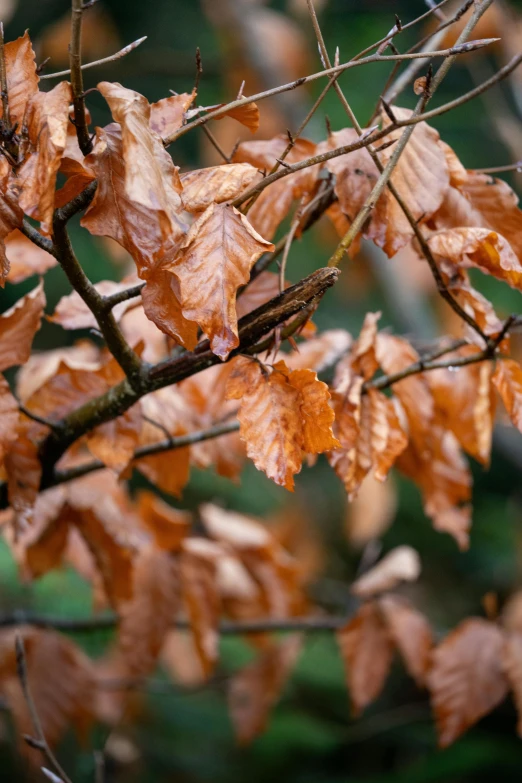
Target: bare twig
x=75, y=60
x=126, y=50
x=501, y=169
x=3, y=80
x=39, y=741
x=109, y=302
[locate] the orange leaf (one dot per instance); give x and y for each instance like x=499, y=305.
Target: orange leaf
x=25, y=258
x=22, y=79
x=466, y=680
x=168, y=525
x=24, y=473
x=411, y=634
x=247, y=115
x=146, y=619
x=254, y=690
x=161, y=305
x=9, y=415
x=203, y=187
x=18, y=327
x=72, y=313
x=214, y=261
x=168, y=114
x=367, y=651
x=47, y=120
x=114, y=442
x=507, y=379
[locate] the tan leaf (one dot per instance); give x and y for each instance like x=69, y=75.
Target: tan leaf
x=168, y=525
x=367, y=651
x=143, y=230
x=401, y=564
x=72, y=313
x=466, y=679
x=25, y=258
x=146, y=619
x=254, y=690
x=61, y=678
x=464, y=403
x=512, y=660
x=481, y=248
x=198, y=572
x=22, y=79
x=168, y=114
x=507, y=379
x=370, y=514
x=18, y=327
x=247, y=115
x=47, y=119
x=411, y=634
x=161, y=305
x=203, y=187
x=215, y=260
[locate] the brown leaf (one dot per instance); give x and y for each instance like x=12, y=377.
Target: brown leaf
x=24, y=472
x=411, y=634
x=168, y=114
x=320, y=352
x=367, y=651
x=247, y=115
x=9, y=415
x=61, y=678
x=507, y=379
x=481, y=248
x=25, y=258
x=46, y=551
x=161, y=304
x=198, y=572
x=466, y=680
x=316, y=414
x=203, y=187
x=275, y=201
x=370, y=514
x=254, y=690
x=11, y=215
x=22, y=79
x=47, y=120
x=115, y=442
x=464, y=404
x=18, y=327
x=146, y=619
x=272, y=421
x=168, y=525
x=512, y=660
x=402, y=564
x=143, y=230
x=215, y=260
x=72, y=313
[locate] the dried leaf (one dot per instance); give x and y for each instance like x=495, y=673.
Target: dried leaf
x=367, y=651
x=512, y=660
x=47, y=120
x=402, y=564
x=203, y=187
x=25, y=258
x=18, y=327
x=507, y=379
x=146, y=619
x=168, y=525
x=24, y=472
x=22, y=79
x=317, y=416
x=161, y=304
x=254, y=690
x=9, y=415
x=215, y=260
x=72, y=313
x=168, y=114
x=411, y=634
x=247, y=115
x=466, y=680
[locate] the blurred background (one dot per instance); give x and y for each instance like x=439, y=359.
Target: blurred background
x=182, y=732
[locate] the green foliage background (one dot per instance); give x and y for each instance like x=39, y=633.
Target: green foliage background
x=187, y=737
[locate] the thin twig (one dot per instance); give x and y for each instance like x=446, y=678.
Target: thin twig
x=126, y=50
x=3, y=80
x=109, y=302
x=75, y=61
x=43, y=746
x=500, y=169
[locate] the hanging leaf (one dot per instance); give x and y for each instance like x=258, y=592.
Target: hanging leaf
x=168, y=114
x=18, y=327
x=411, y=634
x=22, y=78
x=507, y=379
x=402, y=564
x=204, y=187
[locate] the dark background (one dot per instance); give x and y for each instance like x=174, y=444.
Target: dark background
x=187, y=736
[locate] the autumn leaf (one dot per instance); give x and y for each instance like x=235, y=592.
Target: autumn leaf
x=168, y=114
x=9, y=415
x=22, y=78
x=204, y=187
x=247, y=115
x=161, y=304
x=168, y=526
x=18, y=327
x=214, y=261
x=402, y=564
x=11, y=215
x=411, y=634
x=274, y=417
x=466, y=680
x=47, y=119
x=366, y=650
x=254, y=690
x=25, y=258
x=71, y=312
x=24, y=472
x=507, y=379
x=146, y=619
x=512, y=662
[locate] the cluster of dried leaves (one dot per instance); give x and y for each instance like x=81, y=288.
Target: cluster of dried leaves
x=176, y=374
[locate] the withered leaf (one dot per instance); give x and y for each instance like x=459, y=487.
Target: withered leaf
x=247, y=115
x=47, y=119
x=466, y=679
x=214, y=261
x=254, y=690
x=168, y=525
x=512, y=660
x=9, y=415
x=411, y=634
x=203, y=187
x=402, y=564
x=25, y=258
x=22, y=79
x=367, y=650
x=72, y=313
x=161, y=304
x=507, y=379
x=168, y=114
x=18, y=327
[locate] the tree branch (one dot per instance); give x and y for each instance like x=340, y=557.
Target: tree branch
x=126, y=50
x=75, y=60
